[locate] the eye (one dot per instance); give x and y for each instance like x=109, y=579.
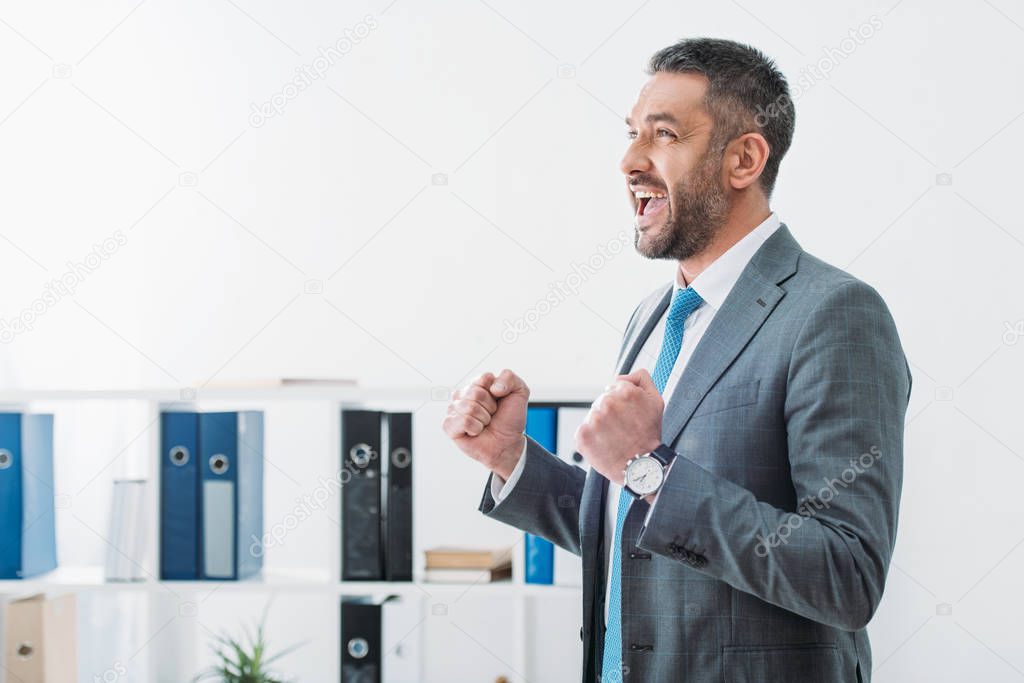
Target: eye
x=631, y=134
x=664, y=132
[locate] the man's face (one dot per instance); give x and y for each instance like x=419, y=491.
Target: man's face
x=672, y=176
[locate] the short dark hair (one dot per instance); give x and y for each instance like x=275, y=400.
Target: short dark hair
x=746, y=93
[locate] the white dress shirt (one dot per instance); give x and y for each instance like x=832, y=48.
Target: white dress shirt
x=713, y=285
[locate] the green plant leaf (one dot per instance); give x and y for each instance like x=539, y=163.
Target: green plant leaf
x=244, y=662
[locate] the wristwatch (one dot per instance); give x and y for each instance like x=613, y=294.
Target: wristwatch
x=645, y=472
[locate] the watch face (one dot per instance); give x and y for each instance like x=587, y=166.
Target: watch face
x=644, y=475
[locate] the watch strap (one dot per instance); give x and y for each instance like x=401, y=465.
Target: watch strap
x=663, y=454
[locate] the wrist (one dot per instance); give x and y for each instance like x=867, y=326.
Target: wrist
x=509, y=458
x=650, y=446
x=646, y=448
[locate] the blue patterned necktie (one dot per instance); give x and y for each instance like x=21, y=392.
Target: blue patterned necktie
x=684, y=303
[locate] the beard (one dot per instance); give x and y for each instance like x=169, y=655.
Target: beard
x=698, y=214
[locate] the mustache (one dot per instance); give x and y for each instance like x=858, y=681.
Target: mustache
x=648, y=181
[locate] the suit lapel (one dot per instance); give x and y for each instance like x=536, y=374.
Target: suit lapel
x=752, y=299
x=646, y=320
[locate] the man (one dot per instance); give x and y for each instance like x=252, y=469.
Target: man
x=740, y=511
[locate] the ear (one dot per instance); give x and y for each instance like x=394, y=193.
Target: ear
x=744, y=160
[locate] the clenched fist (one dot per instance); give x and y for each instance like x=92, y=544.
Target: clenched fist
x=486, y=420
x=624, y=421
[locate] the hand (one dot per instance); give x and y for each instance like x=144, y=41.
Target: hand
x=486, y=420
x=625, y=420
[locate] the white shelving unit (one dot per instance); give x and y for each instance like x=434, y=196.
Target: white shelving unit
x=302, y=449
x=83, y=579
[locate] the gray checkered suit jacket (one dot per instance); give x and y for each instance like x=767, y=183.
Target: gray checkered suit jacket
x=767, y=551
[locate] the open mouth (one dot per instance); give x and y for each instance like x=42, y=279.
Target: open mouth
x=649, y=204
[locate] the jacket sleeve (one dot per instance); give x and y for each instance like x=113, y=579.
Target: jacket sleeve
x=545, y=501
x=846, y=398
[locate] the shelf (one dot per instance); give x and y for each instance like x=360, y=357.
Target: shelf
x=191, y=394
x=449, y=590
x=290, y=392
x=91, y=579
x=64, y=578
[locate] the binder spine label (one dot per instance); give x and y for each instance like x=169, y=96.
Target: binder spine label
x=218, y=531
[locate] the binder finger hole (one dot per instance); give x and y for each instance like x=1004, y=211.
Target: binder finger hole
x=358, y=648
x=401, y=458
x=6, y=459
x=179, y=456
x=25, y=650
x=361, y=454
x=219, y=463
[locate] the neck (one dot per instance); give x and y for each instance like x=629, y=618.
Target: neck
x=748, y=212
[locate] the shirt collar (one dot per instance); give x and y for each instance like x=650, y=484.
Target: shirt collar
x=716, y=281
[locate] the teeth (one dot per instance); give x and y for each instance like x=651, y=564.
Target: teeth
x=649, y=195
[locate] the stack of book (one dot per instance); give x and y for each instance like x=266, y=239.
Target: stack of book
x=468, y=565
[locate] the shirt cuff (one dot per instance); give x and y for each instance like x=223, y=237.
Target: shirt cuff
x=501, y=488
x=658, y=494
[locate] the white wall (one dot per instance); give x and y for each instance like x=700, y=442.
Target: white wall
x=136, y=118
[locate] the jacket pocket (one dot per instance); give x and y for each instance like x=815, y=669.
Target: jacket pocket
x=811, y=662
x=730, y=396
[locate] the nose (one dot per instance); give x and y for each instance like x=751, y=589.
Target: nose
x=635, y=160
